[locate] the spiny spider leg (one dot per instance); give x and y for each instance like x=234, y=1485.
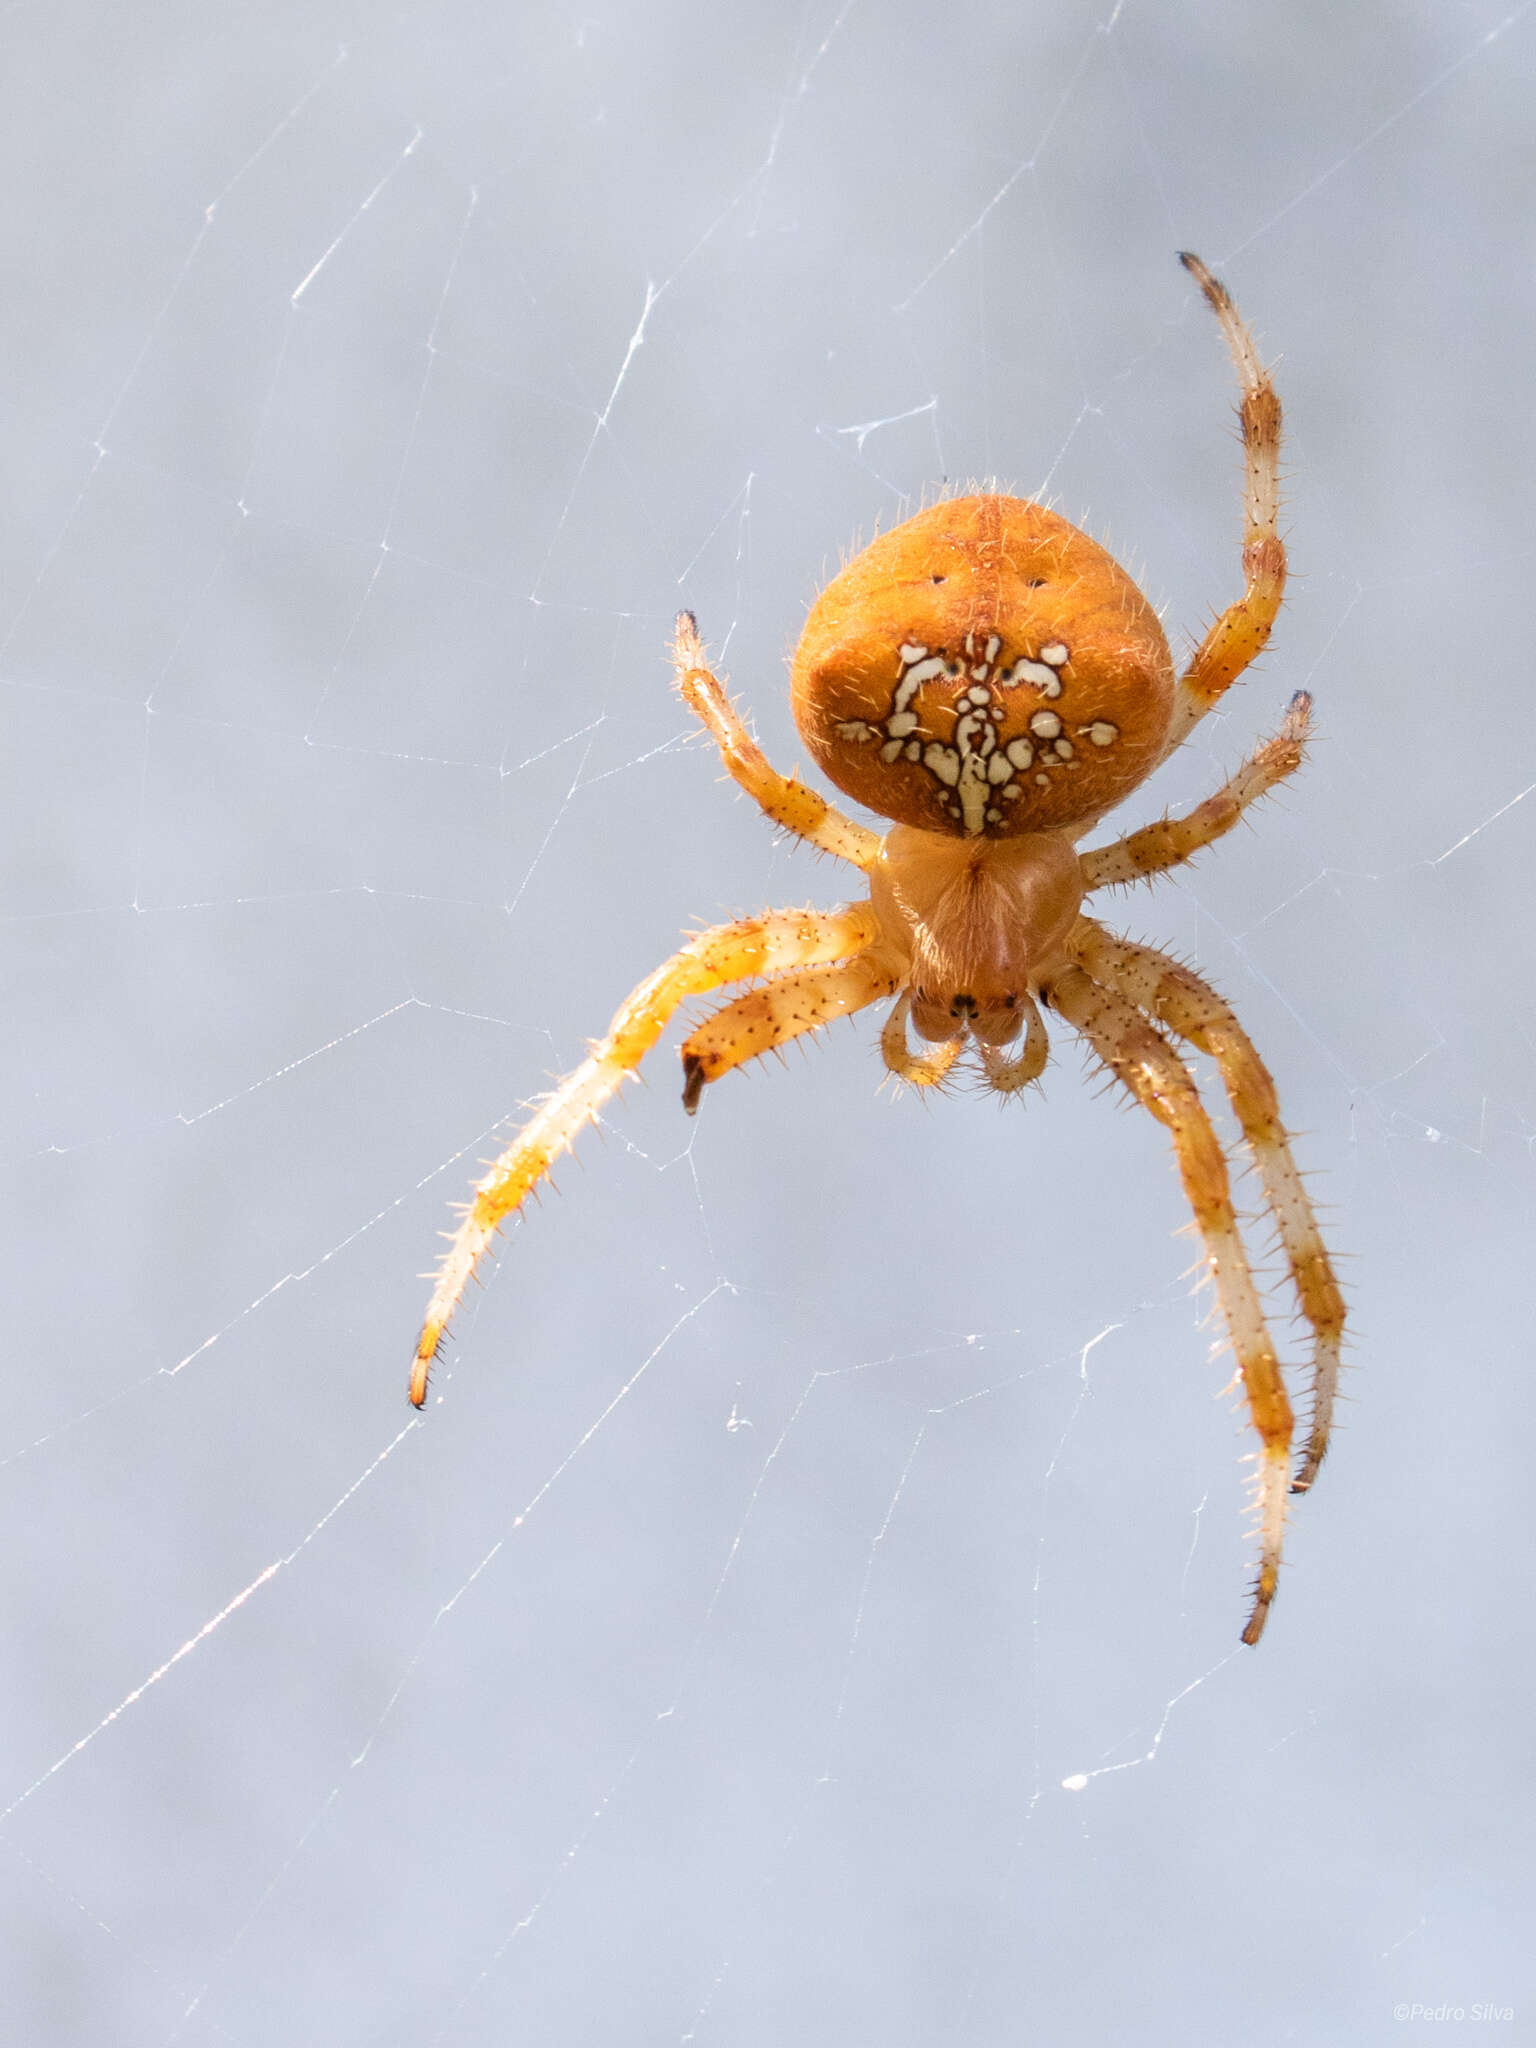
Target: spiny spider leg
x=1139, y=1056
x=789, y=803
x=1177, y=999
x=732, y=952
x=1172, y=841
x=1242, y=629
x=782, y=1009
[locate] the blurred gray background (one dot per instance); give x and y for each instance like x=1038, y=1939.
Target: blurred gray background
x=815, y=1488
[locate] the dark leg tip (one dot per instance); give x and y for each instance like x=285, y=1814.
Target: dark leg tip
x=694, y=1078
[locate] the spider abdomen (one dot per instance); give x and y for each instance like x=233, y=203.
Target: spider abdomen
x=984, y=669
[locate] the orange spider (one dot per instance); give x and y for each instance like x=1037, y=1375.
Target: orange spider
x=991, y=681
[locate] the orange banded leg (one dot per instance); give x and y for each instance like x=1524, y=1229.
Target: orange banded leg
x=1182, y=1002
x=1172, y=841
x=1243, y=628
x=1140, y=1057
x=788, y=802
x=919, y=1070
x=731, y=952
x=784, y=1008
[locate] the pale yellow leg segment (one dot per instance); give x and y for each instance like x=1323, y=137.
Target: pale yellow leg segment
x=919, y=1070
x=732, y=952
x=1179, y=999
x=1140, y=1057
x=788, y=802
x=1171, y=841
x=1241, y=631
x=1007, y=1075
x=782, y=1009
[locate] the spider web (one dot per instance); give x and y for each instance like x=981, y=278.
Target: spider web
x=809, y=1612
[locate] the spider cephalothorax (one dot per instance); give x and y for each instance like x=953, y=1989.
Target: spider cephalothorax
x=989, y=680
x=972, y=920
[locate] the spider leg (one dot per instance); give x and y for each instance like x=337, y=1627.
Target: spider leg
x=1185, y=1005
x=731, y=952
x=1242, y=629
x=784, y=1008
x=788, y=802
x=1007, y=1075
x=1172, y=841
x=920, y=1070
x=1142, y=1058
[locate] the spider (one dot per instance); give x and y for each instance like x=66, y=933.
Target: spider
x=989, y=680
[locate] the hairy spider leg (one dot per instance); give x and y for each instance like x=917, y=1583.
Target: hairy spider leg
x=789, y=803
x=1176, y=998
x=919, y=1070
x=784, y=1008
x=1242, y=629
x=1138, y=1055
x=1172, y=841
x=733, y=952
